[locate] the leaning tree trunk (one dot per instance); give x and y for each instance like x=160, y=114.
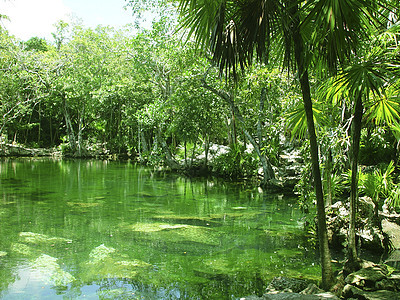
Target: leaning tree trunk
x=355, y=147
x=169, y=160
x=206, y=149
x=70, y=129
x=326, y=266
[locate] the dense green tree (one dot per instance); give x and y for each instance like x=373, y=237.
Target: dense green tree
x=36, y=44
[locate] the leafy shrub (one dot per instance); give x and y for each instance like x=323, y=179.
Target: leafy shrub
x=235, y=164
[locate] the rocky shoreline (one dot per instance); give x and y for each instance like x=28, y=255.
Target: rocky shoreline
x=10, y=150
x=371, y=282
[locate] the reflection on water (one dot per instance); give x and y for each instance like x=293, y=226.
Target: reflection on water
x=113, y=230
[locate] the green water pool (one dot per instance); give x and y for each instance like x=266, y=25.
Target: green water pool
x=90, y=229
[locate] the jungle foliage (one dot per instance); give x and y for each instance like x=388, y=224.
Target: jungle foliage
x=255, y=77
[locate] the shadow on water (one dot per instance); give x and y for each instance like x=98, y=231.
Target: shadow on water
x=13, y=182
x=37, y=195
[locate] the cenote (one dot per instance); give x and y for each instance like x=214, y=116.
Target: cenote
x=94, y=229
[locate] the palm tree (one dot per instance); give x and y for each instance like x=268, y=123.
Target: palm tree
x=235, y=30
x=371, y=83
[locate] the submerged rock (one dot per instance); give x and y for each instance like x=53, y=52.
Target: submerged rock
x=100, y=253
x=38, y=238
x=105, y=262
x=23, y=249
x=177, y=232
x=51, y=271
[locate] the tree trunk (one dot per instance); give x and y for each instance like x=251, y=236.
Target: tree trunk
x=260, y=113
x=193, y=153
x=169, y=160
x=355, y=147
x=40, y=124
x=139, y=142
x=206, y=148
x=265, y=163
x=70, y=129
x=327, y=274
x=185, y=145
x=234, y=133
x=145, y=147
x=81, y=128
x=328, y=175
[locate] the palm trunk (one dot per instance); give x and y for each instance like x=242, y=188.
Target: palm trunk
x=355, y=147
x=327, y=274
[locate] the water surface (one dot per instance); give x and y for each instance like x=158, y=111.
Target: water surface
x=72, y=229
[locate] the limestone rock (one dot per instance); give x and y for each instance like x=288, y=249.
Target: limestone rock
x=51, y=272
x=367, y=278
x=394, y=259
x=351, y=291
x=312, y=289
x=393, y=231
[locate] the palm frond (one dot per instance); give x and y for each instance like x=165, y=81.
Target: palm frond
x=297, y=121
x=233, y=29
x=384, y=110
x=199, y=16
x=364, y=78
x=341, y=25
